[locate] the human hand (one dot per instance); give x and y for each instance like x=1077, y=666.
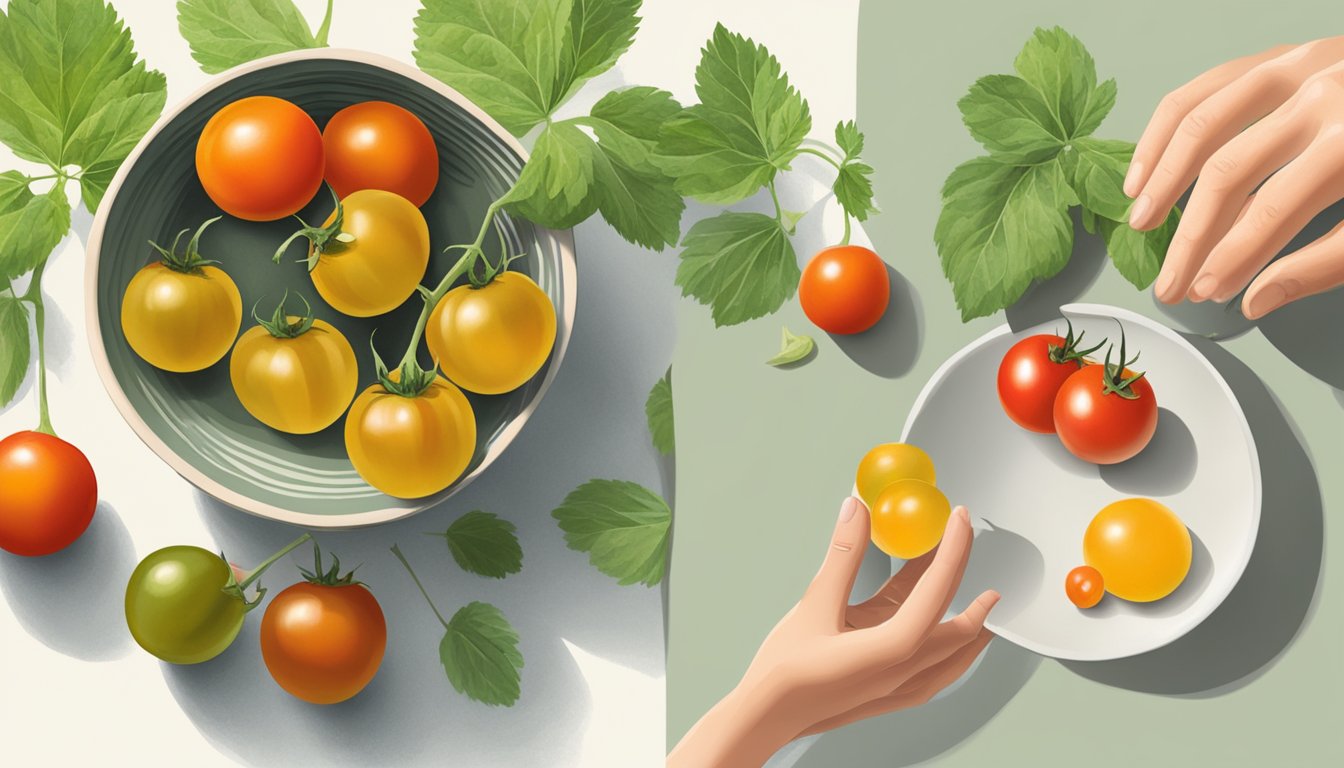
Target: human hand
x=1292, y=99
x=828, y=663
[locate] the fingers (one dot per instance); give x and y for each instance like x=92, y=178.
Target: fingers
x=889, y=597
x=1317, y=267
x=828, y=594
x=1174, y=108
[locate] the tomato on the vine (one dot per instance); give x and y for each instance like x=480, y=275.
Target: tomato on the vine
x=845, y=289
x=1031, y=374
x=260, y=158
x=493, y=338
x=1106, y=413
x=379, y=145
x=48, y=493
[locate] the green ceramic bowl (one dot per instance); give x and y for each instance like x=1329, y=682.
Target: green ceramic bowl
x=194, y=421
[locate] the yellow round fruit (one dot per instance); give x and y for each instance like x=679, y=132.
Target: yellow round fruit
x=888, y=463
x=1141, y=548
x=411, y=446
x=298, y=385
x=908, y=518
x=380, y=268
x=492, y=339
x=181, y=321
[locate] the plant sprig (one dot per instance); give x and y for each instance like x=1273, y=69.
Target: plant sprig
x=279, y=324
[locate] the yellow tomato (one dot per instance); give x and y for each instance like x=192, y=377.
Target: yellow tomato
x=909, y=518
x=298, y=385
x=181, y=321
x=379, y=269
x=411, y=446
x=888, y=463
x=492, y=339
x=1141, y=548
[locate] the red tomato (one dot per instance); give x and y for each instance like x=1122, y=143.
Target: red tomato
x=260, y=158
x=845, y=289
x=1031, y=374
x=1084, y=586
x=47, y=493
x=377, y=145
x=322, y=643
x=1099, y=424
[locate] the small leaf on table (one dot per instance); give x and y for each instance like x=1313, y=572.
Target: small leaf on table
x=485, y=544
x=792, y=348
x=658, y=410
x=479, y=652
x=622, y=526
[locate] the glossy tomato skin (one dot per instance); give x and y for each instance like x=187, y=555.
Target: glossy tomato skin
x=260, y=158
x=1084, y=586
x=176, y=607
x=323, y=644
x=181, y=321
x=297, y=385
x=492, y=339
x=1140, y=547
x=410, y=447
x=48, y=494
x=1029, y=381
x=377, y=145
x=845, y=289
x=889, y=463
x=380, y=269
x=1101, y=427
x=909, y=518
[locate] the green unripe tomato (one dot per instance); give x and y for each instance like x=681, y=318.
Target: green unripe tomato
x=176, y=606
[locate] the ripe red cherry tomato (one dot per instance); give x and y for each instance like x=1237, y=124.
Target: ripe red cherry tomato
x=1084, y=586
x=260, y=158
x=845, y=289
x=323, y=643
x=377, y=145
x=1031, y=374
x=47, y=493
x=1103, y=425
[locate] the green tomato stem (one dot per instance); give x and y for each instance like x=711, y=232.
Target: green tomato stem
x=818, y=153
x=396, y=551
x=255, y=573
x=34, y=296
x=779, y=212
x=321, y=36
x=845, y=240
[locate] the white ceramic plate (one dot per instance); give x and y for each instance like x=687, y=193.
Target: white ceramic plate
x=1030, y=500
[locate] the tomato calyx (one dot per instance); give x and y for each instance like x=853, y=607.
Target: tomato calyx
x=408, y=380
x=331, y=577
x=279, y=324
x=322, y=240
x=238, y=589
x=1069, y=351
x=1114, y=378
x=188, y=261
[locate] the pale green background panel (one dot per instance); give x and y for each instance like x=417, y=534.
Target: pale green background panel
x=765, y=456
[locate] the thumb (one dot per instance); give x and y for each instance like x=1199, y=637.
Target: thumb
x=828, y=594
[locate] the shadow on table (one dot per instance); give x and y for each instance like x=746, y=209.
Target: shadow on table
x=1260, y=618
x=890, y=348
x=71, y=601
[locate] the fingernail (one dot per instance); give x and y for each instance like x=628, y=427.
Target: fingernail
x=1131, y=185
x=847, y=508
x=1139, y=212
x=1270, y=298
x=1203, y=287
x=994, y=597
x=1164, y=282
x=964, y=515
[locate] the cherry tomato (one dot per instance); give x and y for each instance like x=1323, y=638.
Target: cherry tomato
x=909, y=518
x=1140, y=547
x=297, y=384
x=1100, y=425
x=380, y=268
x=492, y=339
x=1084, y=586
x=176, y=606
x=377, y=145
x=48, y=493
x=889, y=462
x=260, y=158
x=1030, y=376
x=410, y=447
x=323, y=643
x=845, y=289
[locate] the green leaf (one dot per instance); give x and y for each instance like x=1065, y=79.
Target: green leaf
x=600, y=31
x=14, y=347
x=792, y=348
x=1138, y=255
x=1096, y=169
x=853, y=189
x=1011, y=119
x=226, y=33
x=556, y=186
x=748, y=126
x=1002, y=227
x=484, y=544
x=479, y=652
x=741, y=264
x=1059, y=67
x=622, y=526
x=74, y=93
x=1089, y=221
x=658, y=409
x=849, y=139
x=31, y=226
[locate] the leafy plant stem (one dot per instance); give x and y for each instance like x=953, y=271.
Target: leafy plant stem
x=255, y=573
x=779, y=212
x=396, y=551
x=818, y=153
x=321, y=36
x=845, y=240
x=34, y=296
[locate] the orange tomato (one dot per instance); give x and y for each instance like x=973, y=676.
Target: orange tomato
x=908, y=518
x=260, y=158
x=323, y=644
x=377, y=145
x=1140, y=547
x=1084, y=586
x=845, y=289
x=48, y=493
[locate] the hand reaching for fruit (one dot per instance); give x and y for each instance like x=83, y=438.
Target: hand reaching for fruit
x=828, y=663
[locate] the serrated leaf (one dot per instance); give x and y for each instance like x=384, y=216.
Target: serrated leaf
x=31, y=226
x=853, y=189
x=225, y=33
x=15, y=352
x=1138, y=255
x=658, y=410
x=792, y=348
x=484, y=544
x=1060, y=68
x=599, y=32
x=480, y=655
x=849, y=138
x=622, y=526
x=741, y=264
x=1096, y=169
x=74, y=93
x=556, y=187
x=1089, y=221
x=748, y=125
x=1001, y=228
x=1011, y=119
